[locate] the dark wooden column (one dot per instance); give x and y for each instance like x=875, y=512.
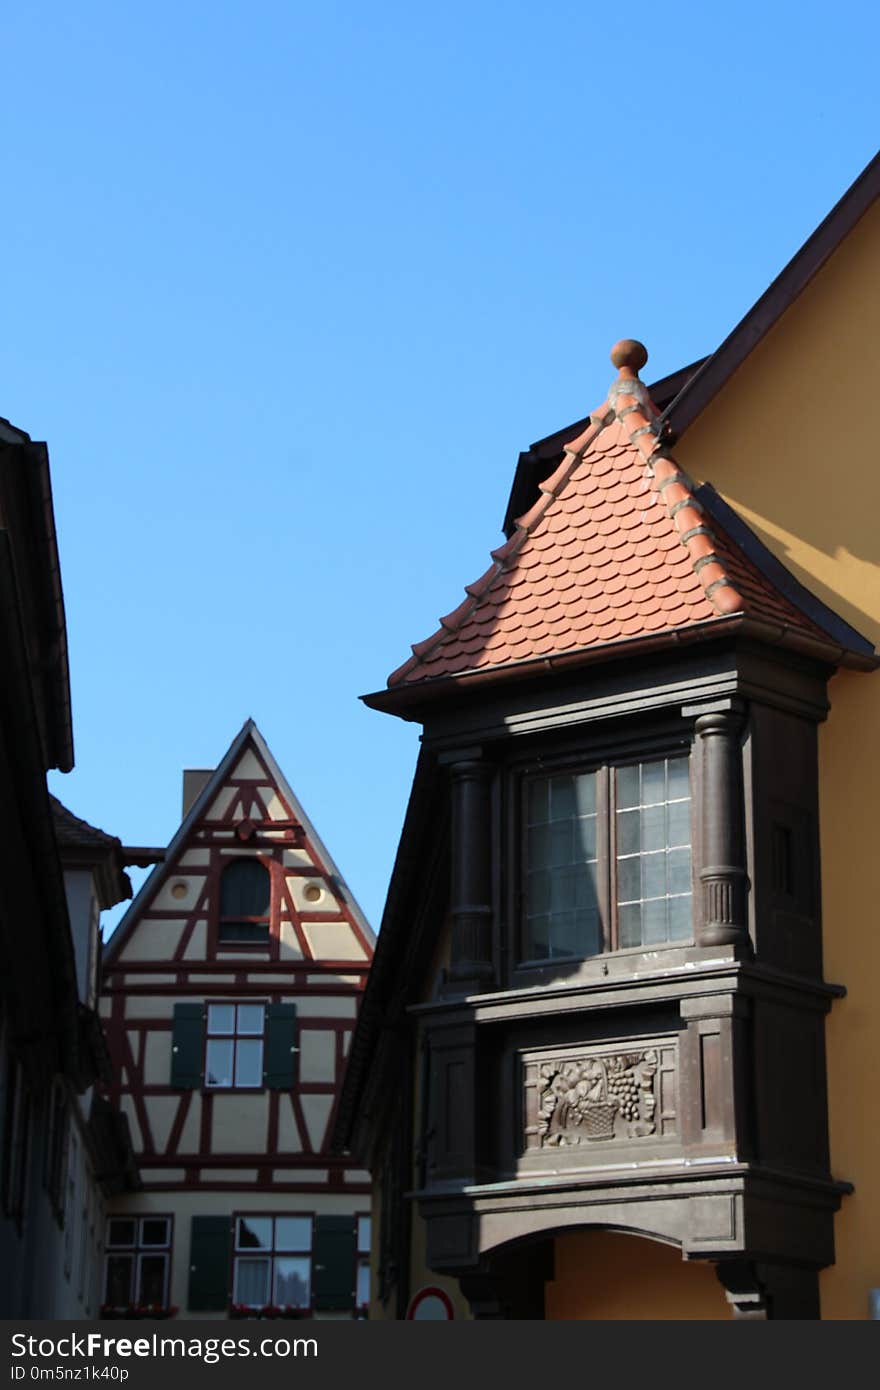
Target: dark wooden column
x=764, y=1291
x=471, y=967
x=722, y=919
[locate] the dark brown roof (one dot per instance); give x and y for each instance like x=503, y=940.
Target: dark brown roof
x=82, y=844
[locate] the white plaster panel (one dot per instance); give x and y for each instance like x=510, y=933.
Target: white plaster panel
x=197, y=947
x=330, y=978
x=248, y=766
x=190, y=1135
x=165, y=900
x=240, y=1123
x=152, y=940
x=195, y=978
x=289, y=1141
x=220, y=805
x=288, y=946
x=273, y=803
x=357, y=1175
x=105, y=1006
x=157, y=1057
x=297, y=859
x=316, y=1111
x=346, y=1043
x=161, y=1111
x=193, y=858
x=134, y=1041
x=300, y=1175
x=279, y=978
x=229, y=1175
x=126, y=1105
x=222, y=834
x=151, y=979
x=296, y=888
x=328, y=1006
x=163, y=1175
x=153, y=1006
x=333, y=941
x=317, y=1054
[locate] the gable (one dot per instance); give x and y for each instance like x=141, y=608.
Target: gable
x=246, y=811
x=784, y=439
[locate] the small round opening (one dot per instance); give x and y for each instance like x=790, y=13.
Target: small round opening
x=179, y=889
x=313, y=892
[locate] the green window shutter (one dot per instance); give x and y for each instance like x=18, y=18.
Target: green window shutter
x=188, y=1046
x=333, y=1262
x=209, y=1267
x=279, y=1064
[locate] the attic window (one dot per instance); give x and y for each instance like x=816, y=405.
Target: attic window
x=245, y=893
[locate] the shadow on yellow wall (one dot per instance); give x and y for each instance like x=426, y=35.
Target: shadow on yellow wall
x=606, y=1275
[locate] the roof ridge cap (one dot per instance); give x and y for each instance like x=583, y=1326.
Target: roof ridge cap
x=650, y=436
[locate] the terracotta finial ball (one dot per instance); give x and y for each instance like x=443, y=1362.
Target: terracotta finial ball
x=629, y=352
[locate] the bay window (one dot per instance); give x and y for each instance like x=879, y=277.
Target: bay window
x=607, y=859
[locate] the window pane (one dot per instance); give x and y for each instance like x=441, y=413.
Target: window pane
x=678, y=865
x=628, y=832
x=628, y=786
x=629, y=925
x=121, y=1231
x=679, y=823
x=248, y=1063
x=629, y=879
x=539, y=801
x=250, y=1018
x=563, y=936
x=588, y=933
x=252, y=1282
x=154, y=1231
x=587, y=895
x=253, y=1233
x=119, y=1275
x=538, y=891
x=561, y=798
x=585, y=837
x=365, y=1226
x=221, y=1018
x=538, y=938
x=244, y=889
x=653, y=784
x=653, y=828
x=585, y=794
x=151, y=1287
x=680, y=924
x=293, y=1233
x=562, y=889
x=292, y=1281
x=362, y=1295
x=539, y=846
x=653, y=875
x=561, y=843
x=678, y=778
x=218, y=1063
x=654, y=921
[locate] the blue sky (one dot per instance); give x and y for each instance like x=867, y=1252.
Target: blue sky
x=287, y=287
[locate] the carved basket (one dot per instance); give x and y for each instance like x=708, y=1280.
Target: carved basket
x=599, y=1119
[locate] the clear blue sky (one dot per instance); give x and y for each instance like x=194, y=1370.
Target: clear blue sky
x=287, y=287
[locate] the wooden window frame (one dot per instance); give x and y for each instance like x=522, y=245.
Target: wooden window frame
x=136, y=1251
x=237, y=943
x=271, y=1254
x=524, y=968
x=234, y=1037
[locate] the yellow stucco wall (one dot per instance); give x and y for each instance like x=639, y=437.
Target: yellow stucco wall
x=789, y=442
x=606, y=1275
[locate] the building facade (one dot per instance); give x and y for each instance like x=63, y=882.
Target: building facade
x=61, y=1153
x=230, y=992
x=636, y=840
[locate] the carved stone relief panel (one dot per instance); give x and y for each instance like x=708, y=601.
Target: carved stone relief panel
x=612, y=1092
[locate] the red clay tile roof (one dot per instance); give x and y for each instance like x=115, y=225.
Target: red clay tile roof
x=616, y=548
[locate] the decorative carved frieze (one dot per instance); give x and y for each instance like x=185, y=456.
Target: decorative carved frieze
x=617, y=1092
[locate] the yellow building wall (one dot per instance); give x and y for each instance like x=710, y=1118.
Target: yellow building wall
x=603, y=1275
x=790, y=443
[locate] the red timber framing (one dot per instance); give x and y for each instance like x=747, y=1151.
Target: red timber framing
x=165, y=969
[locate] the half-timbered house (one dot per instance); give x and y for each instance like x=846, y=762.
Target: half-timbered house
x=231, y=989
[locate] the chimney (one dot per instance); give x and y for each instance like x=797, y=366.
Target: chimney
x=194, y=780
